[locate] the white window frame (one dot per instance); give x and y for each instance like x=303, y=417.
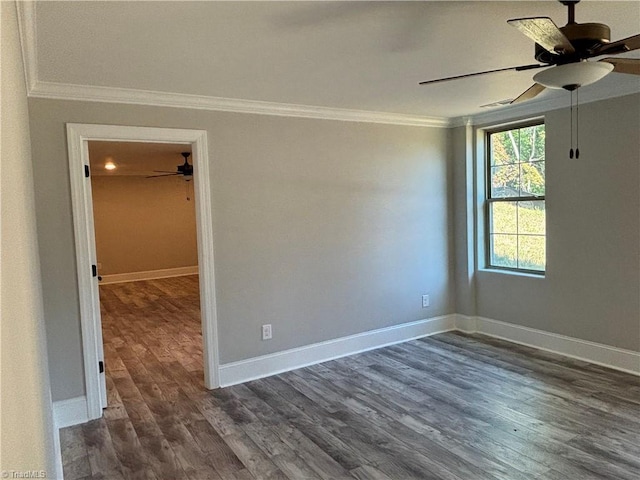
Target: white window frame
x=483, y=169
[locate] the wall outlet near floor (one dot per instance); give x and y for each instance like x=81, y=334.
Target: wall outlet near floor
x=425, y=301
x=266, y=332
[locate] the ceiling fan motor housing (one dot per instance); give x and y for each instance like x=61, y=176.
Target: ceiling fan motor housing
x=185, y=169
x=583, y=36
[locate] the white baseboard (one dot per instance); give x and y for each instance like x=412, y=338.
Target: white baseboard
x=617, y=358
x=148, y=275
x=466, y=324
x=70, y=412
x=74, y=410
x=272, y=364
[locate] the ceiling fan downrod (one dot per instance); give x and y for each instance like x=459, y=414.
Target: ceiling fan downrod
x=571, y=6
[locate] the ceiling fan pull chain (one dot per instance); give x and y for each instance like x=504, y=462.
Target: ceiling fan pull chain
x=571, y=124
x=577, y=122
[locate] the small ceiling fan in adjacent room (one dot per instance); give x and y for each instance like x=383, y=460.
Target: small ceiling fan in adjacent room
x=186, y=169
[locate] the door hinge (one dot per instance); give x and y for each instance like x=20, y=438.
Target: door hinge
x=86, y=171
x=94, y=270
x=101, y=366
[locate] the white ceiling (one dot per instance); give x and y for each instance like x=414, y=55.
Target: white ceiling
x=350, y=55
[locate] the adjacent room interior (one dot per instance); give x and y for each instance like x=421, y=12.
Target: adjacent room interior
x=412, y=270
x=147, y=263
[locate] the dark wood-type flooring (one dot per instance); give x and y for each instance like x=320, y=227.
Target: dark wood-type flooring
x=451, y=406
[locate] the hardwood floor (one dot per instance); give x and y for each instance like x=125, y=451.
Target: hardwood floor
x=451, y=406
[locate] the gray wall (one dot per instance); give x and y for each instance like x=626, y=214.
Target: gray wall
x=591, y=289
x=27, y=433
x=321, y=228
x=461, y=154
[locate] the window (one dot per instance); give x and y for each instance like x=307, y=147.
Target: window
x=515, y=207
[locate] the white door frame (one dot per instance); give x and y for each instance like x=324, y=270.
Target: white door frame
x=78, y=136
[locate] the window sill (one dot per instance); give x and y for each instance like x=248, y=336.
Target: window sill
x=517, y=273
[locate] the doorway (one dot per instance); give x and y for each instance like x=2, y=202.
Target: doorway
x=79, y=137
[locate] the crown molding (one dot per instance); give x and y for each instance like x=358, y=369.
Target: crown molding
x=539, y=107
x=27, y=28
x=90, y=93
x=62, y=91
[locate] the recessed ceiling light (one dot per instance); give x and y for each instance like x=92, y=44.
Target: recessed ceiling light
x=109, y=165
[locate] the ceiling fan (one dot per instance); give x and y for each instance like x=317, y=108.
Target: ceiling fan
x=566, y=51
x=186, y=169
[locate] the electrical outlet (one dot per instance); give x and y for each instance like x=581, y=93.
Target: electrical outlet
x=266, y=332
x=425, y=301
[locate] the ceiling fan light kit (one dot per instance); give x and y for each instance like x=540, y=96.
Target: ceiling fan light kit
x=573, y=75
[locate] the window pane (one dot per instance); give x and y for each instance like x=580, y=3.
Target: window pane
x=532, y=143
x=531, y=252
x=504, y=250
x=502, y=148
x=517, y=228
x=532, y=179
x=503, y=217
x=531, y=217
x=505, y=181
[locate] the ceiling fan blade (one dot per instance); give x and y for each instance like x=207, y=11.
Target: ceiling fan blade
x=529, y=93
x=624, y=65
x=544, y=32
x=517, y=69
x=163, y=175
x=164, y=171
x=620, y=46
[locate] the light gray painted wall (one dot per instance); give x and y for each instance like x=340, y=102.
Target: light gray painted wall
x=27, y=433
x=321, y=228
x=591, y=289
x=463, y=219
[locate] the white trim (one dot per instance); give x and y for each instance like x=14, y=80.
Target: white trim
x=538, y=107
x=78, y=136
x=57, y=451
x=466, y=324
x=89, y=298
x=27, y=27
x=204, y=222
x=274, y=363
x=278, y=362
x=72, y=411
x=617, y=358
x=91, y=93
x=148, y=275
